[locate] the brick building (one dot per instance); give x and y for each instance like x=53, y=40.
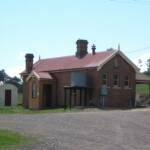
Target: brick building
x=98, y=78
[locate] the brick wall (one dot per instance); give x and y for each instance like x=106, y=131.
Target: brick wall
x=120, y=96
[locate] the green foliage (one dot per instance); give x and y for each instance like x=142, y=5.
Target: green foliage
x=17, y=82
x=9, y=139
x=148, y=67
x=142, y=88
x=21, y=110
x=3, y=75
x=13, y=80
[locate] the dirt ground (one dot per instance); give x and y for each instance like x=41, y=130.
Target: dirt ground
x=88, y=130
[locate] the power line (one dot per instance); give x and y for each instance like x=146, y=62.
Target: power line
x=140, y=2
x=137, y=50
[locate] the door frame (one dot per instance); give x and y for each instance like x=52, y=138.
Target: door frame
x=8, y=97
x=47, y=97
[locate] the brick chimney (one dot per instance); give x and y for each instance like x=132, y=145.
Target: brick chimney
x=81, y=48
x=29, y=62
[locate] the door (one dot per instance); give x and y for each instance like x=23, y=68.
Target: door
x=47, y=95
x=7, y=97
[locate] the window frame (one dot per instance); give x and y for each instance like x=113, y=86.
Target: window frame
x=116, y=80
x=105, y=79
x=34, y=89
x=126, y=80
x=116, y=65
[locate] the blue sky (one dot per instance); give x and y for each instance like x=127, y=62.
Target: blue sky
x=50, y=28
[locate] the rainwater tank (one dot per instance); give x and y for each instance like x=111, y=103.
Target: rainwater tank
x=78, y=79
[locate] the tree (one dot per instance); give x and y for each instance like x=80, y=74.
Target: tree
x=4, y=77
x=16, y=81
x=148, y=67
x=1, y=75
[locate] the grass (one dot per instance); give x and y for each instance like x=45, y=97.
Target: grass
x=21, y=110
x=142, y=88
x=10, y=140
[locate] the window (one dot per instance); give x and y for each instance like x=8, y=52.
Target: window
x=34, y=89
x=115, y=80
x=126, y=81
x=104, y=79
x=116, y=63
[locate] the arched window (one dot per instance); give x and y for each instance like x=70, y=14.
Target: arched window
x=116, y=63
x=34, y=89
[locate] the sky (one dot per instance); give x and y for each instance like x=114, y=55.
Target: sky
x=50, y=28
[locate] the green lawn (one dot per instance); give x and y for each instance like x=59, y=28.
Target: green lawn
x=10, y=140
x=21, y=110
x=142, y=88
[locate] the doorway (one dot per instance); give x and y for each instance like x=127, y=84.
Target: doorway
x=7, y=97
x=47, y=95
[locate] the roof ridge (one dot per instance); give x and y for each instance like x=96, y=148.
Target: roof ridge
x=71, y=62
x=103, y=61
x=57, y=57
x=71, y=56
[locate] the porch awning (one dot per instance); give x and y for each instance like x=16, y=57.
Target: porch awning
x=40, y=75
x=142, y=78
x=44, y=75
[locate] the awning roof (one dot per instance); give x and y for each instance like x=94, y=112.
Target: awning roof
x=40, y=75
x=142, y=78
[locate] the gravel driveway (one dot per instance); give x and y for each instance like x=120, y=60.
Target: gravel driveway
x=91, y=130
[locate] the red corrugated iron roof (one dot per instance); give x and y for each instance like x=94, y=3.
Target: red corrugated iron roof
x=44, y=75
x=71, y=62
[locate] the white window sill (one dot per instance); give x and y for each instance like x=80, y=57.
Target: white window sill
x=108, y=87
x=116, y=87
x=127, y=88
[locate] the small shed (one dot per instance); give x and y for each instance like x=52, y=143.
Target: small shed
x=144, y=97
x=8, y=94
x=142, y=78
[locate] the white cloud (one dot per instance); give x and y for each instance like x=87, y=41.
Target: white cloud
x=14, y=71
x=143, y=59
x=21, y=56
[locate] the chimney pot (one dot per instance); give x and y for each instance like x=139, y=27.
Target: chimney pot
x=93, y=49
x=29, y=62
